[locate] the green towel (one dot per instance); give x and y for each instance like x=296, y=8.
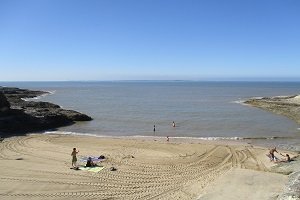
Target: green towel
x=91, y=169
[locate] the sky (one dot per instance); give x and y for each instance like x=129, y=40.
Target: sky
x=67, y=40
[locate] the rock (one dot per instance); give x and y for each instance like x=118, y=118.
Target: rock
x=285, y=106
x=26, y=116
x=292, y=188
x=74, y=115
x=4, y=104
x=288, y=106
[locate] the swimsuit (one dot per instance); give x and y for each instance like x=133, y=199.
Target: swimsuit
x=74, y=159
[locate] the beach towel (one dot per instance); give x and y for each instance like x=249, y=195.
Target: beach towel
x=94, y=159
x=91, y=169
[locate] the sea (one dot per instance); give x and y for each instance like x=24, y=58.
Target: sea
x=208, y=110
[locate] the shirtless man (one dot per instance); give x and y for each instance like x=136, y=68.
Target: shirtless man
x=272, y=156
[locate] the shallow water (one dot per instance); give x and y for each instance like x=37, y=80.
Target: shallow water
x=199, y=109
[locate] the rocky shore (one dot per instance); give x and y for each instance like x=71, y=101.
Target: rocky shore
x=18, y=116
x=288, y=106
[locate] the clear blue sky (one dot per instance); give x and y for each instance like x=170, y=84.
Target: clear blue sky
x=149, y=39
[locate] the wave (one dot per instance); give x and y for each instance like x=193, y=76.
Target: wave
x=266, y=138
x=73, y=133
x=242, y=101
x=40, y=96
x=236, y=138
x=174, y=137
x=238, y=101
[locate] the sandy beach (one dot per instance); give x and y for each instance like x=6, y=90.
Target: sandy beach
x=37, y=166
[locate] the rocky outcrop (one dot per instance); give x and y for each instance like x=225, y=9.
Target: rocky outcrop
x=288, y=106
x=18, y=116
x=4, y=104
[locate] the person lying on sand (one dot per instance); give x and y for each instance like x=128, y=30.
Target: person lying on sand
x=287, y=159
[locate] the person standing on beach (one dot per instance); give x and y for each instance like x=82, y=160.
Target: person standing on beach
x=272, y=156
x=154, y=128
x=74, y=157
x=173, y=124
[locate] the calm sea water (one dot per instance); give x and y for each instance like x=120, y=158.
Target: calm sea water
x=199, y=109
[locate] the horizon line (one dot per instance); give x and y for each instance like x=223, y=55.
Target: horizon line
x=167, y=80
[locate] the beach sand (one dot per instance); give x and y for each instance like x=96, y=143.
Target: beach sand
x=37, y=166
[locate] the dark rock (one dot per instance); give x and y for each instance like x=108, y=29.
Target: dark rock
x=19, y=116
x=4, y=104
x=74, y=115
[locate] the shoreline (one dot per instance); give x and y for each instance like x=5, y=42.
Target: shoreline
x=288, y=106
x=149, y=167
x=285, y=143
x=175, y=137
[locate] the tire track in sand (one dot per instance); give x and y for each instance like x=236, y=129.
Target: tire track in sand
x=132, y=180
